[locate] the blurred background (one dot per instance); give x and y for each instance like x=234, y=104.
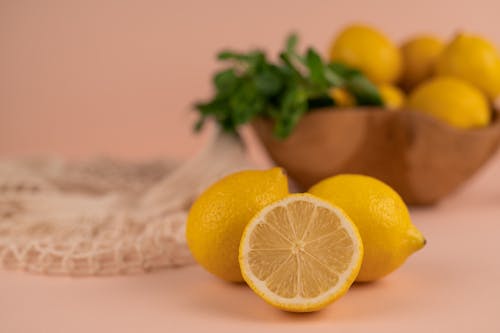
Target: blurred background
x=85, y=78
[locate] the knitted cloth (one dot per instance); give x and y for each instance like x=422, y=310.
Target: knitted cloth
x=104, y=217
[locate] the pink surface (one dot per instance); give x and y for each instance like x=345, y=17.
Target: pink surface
x=450, y=286
x=80, y=78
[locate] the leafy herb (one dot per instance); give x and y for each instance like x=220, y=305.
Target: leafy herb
x=253, y=87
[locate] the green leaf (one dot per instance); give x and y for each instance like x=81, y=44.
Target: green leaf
x=294, y=105
x=365, y=92
x=268, y=81
x=343, y=70
x=333, y=78
x=245, y=103
x=320, y=102
x=231, y=55
x=316, y=69
x=198, y=126
x=211, y=107
x=291, y=43
x=216, y=108
x=256, y=59
x=226, y=82
x=289, y=68
x=252, y=59
x=252, y=86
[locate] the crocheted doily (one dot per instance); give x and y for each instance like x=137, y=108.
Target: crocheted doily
x=103, y=216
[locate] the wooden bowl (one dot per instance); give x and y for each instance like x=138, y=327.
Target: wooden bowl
x=421, y=157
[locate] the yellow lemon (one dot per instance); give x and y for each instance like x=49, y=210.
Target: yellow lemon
x=382, y=219
x=419, y=59
x=392, y=96
x=451, y=100
x=300, y=253
x=217, y=218
x=342, y=97
x=368, y=50
x=473, y=59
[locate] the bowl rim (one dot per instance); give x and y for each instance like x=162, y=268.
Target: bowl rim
x=494, y=124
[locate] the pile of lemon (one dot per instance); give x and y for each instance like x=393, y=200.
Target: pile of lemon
x=300, y=252
x=454, y=81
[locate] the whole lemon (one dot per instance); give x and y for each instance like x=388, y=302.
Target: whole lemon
x=218, y=216
x=452, y=100
x=382, y=219
x=392, y=96
x=473, y=59
x=342, y=97
x=368, y=50
x=419, y=59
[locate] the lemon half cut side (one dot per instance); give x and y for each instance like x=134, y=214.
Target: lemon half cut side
x=300, y=253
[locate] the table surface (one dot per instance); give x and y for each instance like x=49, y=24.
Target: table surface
x=450, y=286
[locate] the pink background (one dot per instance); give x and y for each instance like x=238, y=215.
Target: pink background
x=81, y=78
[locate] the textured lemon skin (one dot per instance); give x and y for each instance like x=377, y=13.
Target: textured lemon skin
x=368, y=50
x=217, y=218
x=420, y=55
x=306, y=306
x=453, y=101
x=382, y=219
x=473, y=59
x=392, y=96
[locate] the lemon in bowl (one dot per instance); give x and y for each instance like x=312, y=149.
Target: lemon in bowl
x=452, y=100
x=420, y=55
x=473, y=59
x=393, y=97
x=367, y=49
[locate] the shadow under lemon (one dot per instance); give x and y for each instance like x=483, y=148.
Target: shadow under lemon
x=215, y=298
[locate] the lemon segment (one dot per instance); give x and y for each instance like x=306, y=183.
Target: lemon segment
x=300, y=253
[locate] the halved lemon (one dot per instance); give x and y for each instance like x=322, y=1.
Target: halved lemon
x=300, y=253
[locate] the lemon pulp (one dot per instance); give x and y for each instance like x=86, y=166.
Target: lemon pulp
x=300, y=253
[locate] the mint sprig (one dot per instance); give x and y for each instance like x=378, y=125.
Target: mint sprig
x=252, y=86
